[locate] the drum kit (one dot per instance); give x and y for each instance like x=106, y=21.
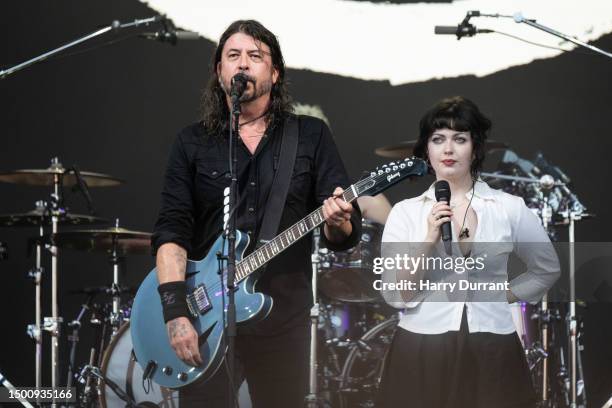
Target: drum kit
x=58, y=229
x=352, y=325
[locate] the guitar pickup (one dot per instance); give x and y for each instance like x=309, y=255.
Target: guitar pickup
x=199, y=301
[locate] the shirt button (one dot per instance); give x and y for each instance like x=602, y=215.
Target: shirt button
x=252, y=183
x=214, y=173
x=251, y=209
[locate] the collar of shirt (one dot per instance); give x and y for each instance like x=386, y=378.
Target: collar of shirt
x=481, y=191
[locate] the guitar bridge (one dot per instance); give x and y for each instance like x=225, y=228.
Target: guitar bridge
x=198, y=301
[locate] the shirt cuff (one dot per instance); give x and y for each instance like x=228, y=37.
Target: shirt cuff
x=160, y=238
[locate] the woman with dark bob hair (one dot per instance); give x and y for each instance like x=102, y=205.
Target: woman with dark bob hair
x=456, y=344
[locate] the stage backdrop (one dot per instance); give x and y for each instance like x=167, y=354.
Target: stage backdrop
x=116, y=109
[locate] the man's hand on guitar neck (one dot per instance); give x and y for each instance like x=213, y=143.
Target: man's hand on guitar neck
x=337, y=213
x=184, y=340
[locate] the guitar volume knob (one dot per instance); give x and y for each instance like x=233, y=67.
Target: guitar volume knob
x=167, y=370
x=182, y=377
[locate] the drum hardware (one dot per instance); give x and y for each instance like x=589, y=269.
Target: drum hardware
x=94, y=372
x=51, y=213
x=75, y=325
x=553, y=202
x=347, y=276
x=115, y=241
x=7, y=384
x=312, y=398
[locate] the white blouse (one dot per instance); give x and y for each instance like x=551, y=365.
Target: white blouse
x=505, y=225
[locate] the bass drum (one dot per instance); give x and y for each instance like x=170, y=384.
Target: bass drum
x=119, y=365
x=364, y=366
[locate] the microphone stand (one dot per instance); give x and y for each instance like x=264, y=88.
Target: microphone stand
x=230, y=233
x=518, y=18
x=114, y=26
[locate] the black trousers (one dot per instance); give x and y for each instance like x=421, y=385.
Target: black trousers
x=456, y=370
x=275, y=368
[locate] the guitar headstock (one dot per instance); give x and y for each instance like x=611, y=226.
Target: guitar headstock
x=388, y=174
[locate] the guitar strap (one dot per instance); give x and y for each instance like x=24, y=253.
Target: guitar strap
x=280, y=184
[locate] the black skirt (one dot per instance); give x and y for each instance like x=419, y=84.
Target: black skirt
x=456, y=370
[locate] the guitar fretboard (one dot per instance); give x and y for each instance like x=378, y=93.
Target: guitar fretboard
x=284, y=240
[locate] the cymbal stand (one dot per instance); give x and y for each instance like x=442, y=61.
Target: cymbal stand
x=545, y=312
x=576, y=384
x=52, y=324
x=312, y=398
x=34, y=330
x=116, y=317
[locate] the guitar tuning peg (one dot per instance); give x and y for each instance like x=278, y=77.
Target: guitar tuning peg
x=410, y=163
x=380, y=172
x=402, y=165
x=388, y=170
x=372, y=174
x=395, y=168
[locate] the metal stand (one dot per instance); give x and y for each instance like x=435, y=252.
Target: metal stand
x=116, y=317
x=115, y=26
x=34, y=330
x=518, y=17
x=312, y=398
x=230, y=233
x=575, y=367
x=6, y=383
x=74, y=337
x=52, y=324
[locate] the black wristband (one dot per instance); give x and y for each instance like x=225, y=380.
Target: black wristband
x=174, y=300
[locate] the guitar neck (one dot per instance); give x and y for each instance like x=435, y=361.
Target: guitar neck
x=285, y=239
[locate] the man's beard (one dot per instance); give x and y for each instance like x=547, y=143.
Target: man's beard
x=259, y=89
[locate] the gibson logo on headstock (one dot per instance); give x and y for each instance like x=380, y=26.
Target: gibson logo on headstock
x=392, y=176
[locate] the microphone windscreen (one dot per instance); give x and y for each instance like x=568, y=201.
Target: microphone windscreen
x=452, y=30
x=442, y=190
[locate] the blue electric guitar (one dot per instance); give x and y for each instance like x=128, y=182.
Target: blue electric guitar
x=205, y=293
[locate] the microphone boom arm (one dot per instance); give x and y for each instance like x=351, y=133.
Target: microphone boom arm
x=114, y=26
x=518, y=17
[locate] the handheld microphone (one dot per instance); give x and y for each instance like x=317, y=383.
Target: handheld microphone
x=443, y=193
x=239, y=84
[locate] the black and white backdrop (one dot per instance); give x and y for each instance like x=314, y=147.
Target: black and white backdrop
x=115, y=109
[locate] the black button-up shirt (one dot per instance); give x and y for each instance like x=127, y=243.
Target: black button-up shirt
x=191, y=212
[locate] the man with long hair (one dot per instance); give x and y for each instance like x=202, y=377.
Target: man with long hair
x=272, y=354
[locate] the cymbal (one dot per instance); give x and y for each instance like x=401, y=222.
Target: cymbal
x=406, y=148
x=104, y=240
x=45, y=177
x=38, y=217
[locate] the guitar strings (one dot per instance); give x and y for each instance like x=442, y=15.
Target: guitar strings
x=357, y=184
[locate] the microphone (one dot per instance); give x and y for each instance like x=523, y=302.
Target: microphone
x=171, y=36
x=443, y=193
x=461, y=30
x=239, y=84
x=464, y=29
